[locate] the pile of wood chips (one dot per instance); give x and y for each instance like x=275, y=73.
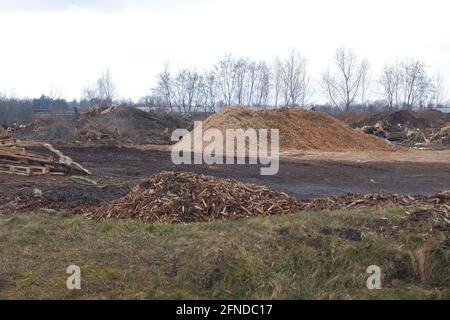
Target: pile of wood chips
x=300, y=129
x=189, y=197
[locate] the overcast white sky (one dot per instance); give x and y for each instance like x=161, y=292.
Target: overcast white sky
x=64, y=44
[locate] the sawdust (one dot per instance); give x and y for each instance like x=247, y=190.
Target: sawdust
x=300, y=129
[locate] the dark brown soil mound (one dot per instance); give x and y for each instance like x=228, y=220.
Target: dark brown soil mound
x=189, y=197
x=111, y=126
x=411, y=119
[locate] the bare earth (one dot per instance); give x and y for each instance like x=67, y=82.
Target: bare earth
x=417, y=156
x=303, y=175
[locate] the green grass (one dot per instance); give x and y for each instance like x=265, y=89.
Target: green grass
x=303, y=256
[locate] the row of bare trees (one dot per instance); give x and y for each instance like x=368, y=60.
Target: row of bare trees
x=236, y=81
x=407, y=84
x=287, y=82
x=346, y=84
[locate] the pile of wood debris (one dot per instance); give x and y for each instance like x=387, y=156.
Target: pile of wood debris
x=417, y=205
x=16, y=159
x=411, y=137
x=186, y=197
x=3, y=133
x=440, y=202
x=189, y=197
x=441, y=138
x=427, y=129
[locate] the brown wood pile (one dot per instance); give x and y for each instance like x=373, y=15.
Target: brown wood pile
x=440, y=201
x=186, y=197
x=16, y=159
x=3, y=133
x=189, y=197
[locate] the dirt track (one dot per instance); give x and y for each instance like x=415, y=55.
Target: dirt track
x=118, y=169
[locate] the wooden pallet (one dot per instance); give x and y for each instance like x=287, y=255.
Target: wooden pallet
x=15, y=159
x=7, y=142
x=24, y=171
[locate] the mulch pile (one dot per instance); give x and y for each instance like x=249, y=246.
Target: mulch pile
x=185, y=197
x=300, y=129
x=107, y=126
x=189, y=197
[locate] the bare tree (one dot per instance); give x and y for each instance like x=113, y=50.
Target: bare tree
x=102, y=92
x=342, y=83
x=277, y=75
x=390, y=83
x=439, y=90
x=164, y=87
x=262, y=85
x=240, y=70
x=365, y=80
x=194, y=90
x=186, y=90
x=209, y=92
x=106, y=88
x=224, y=72
x=295, y=79
x=252, y=78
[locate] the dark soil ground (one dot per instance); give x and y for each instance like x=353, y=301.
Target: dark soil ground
x=117, y=169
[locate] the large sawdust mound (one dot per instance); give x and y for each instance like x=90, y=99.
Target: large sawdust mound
x=412, y=119
x=109, y=126
x=300, y=129
x=189, y=197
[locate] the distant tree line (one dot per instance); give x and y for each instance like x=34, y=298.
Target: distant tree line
x=347, y=84
x=235, y=81
x=13, y=109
